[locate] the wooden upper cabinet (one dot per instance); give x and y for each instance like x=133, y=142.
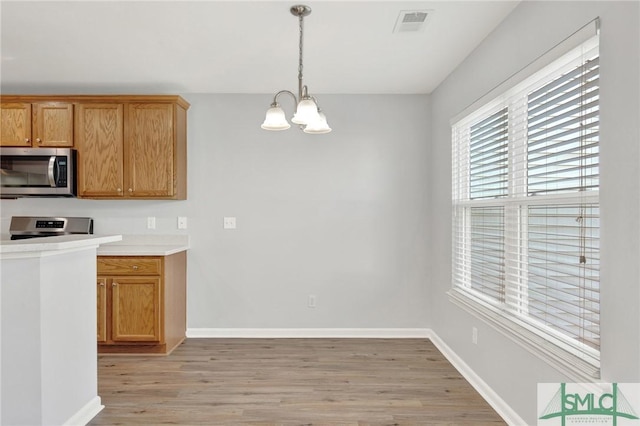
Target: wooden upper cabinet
x=156, y=150
x=16, y=124
x=128, y=146
x=151, y=151
x=134, y=149
x=100, y=144
x=45, y=124
x=53, y=124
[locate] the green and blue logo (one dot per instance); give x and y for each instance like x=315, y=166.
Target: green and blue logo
x=588, y=404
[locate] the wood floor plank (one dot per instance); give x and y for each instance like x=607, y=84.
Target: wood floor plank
x=290, y=382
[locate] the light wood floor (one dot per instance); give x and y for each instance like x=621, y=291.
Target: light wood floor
x=290, y=382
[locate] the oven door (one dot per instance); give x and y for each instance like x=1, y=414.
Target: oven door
x=37, y=172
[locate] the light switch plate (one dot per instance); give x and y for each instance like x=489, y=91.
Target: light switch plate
x=182, y=222
x=229, y=223
x=151, y=222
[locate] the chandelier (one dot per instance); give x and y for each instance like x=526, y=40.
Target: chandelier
x=308, y=114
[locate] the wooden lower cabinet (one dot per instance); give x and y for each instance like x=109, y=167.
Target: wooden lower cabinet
x=101, y=293
x=141, y=303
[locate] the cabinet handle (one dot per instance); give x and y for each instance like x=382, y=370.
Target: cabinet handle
x=119, y=189
x=135, y=267
x=130, y=190
x=27, y=140
x=39, y=141
x=114, y=284
x=101, y=284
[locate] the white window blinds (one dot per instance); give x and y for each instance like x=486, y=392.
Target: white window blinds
x=526, y=213
x=563, y=132
x=488, y=144
x=487, y=251
x=563, y=288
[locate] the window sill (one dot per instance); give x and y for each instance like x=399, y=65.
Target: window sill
x=568, y=363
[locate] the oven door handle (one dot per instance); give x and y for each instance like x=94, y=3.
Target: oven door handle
x=51, y=169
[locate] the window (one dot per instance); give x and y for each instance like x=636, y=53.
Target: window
x=526, y=211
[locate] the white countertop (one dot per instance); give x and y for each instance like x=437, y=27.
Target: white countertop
x=145, y=245
x=108, y=245
x=51, y=245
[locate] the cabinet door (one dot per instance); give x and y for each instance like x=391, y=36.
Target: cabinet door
x=101, y=294
x=135, y=309
x=99, y=140
x=15, y=129
x=53, y=124
x=150, y=157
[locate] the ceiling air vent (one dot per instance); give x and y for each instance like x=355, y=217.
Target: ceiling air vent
x=411, y=21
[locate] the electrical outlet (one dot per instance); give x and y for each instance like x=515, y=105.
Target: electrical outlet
x=229, y=223
x=182, y=222
x=311, y=302
x=151, y=222
x=474, y=335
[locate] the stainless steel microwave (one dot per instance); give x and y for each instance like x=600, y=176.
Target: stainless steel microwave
x=40, y=172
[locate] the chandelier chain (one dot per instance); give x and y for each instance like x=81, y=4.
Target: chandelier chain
x=301, y=27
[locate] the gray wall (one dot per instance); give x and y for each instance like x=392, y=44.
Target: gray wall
x=361, y=217
x=340, y=216
x=530, y=30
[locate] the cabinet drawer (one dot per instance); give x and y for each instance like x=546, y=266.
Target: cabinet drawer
x=129, y=265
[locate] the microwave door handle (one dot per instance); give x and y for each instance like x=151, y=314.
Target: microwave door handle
x=50, y=171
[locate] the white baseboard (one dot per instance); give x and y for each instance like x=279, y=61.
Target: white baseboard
x=308, y=333
x=86, y=413
x=493, y=399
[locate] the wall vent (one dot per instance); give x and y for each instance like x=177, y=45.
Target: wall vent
x=411, y=21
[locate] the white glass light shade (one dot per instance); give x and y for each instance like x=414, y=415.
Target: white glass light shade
x=306, y=113
x=275, y=120
x=319, y=126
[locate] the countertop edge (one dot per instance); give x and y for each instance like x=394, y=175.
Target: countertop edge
x=146, y=245
x=51, y=245
x=142, y=250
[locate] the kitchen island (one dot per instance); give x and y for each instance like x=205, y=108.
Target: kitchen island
x=48, y=355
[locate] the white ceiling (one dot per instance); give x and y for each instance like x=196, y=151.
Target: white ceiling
x=235, y=46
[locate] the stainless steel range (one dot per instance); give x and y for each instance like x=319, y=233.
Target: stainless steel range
x=23, y=227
